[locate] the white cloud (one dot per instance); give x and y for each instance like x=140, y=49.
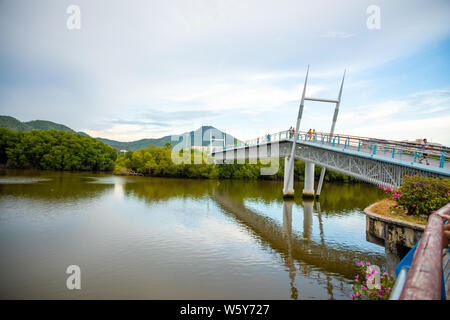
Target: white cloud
x=338, y=34
x=423, y=114
x=232, y=57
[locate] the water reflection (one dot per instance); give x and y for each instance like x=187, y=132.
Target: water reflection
x=337, y=263
x=287, y=233
x=227, y=234
x=51, y=186
x=307, y=219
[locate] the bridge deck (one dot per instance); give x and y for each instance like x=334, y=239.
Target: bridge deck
x=395, y=152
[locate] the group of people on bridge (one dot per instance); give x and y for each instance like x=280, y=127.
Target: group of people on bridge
x=311, y=133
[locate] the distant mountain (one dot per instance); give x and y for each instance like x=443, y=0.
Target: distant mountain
x=47, y=125
x=13, y=124
x=16, y=125
x=160, y=142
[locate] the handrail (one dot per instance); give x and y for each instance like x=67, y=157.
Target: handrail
x=414, y=145
x=391, y=149
x=424, y=280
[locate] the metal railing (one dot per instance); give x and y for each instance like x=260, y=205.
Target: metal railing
x=438, y=156
x=422, y=279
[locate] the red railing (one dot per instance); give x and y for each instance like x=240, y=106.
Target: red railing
x=424, y=280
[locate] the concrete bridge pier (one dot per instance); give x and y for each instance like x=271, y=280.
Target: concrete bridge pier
x=288, y=190
x=308, y=190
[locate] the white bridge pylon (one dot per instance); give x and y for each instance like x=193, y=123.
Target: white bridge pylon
x=308, y=190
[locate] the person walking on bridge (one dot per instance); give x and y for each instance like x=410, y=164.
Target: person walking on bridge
x=309, y=135
x=424, y=152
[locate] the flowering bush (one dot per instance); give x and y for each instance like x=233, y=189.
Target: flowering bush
x=371, y=284
x=421, y=195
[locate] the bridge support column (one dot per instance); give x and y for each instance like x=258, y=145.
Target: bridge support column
x=308, y=190
x=319, y=186
x=288, y=190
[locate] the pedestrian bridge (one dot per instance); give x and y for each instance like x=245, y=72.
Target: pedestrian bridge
x=376, y=161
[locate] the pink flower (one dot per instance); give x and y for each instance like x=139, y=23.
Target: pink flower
x=368, y=263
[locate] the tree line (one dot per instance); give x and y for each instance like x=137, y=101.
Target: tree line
x=157, y=161
x=54, y=150
x=59, y=150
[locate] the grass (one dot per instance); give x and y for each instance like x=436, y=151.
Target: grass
x=389, y=208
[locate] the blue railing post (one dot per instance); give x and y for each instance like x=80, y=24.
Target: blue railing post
x=393, y=152
x=385, y=148
x=334, y=140
x=323, y=139
x=359, y=145
x=339, y=140
x=441, y=163
x=374, y=149
x=415, y=156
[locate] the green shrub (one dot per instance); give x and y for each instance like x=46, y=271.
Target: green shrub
x=422, y=195
x=54, y=150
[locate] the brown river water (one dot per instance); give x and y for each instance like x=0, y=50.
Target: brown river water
x=158, y=238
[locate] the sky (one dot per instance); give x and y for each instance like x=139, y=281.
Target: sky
x=146, y=69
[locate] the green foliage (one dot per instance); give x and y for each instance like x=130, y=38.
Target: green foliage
x=370, y=284
x=157, y=161
x=423, y=195
x=54, y=150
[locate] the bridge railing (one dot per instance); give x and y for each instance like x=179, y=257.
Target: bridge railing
x=410, y=151
x=439, y=156
x=420, y=274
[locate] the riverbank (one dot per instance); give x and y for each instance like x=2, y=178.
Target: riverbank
x=389, y=209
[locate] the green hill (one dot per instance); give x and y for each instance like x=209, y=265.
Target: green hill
x=47, y=125
x=16, y=125
x=13, y=124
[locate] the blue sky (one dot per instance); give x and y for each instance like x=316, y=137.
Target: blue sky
x=143, y=69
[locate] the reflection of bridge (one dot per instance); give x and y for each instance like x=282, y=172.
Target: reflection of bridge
x=291, y=246
x=377, y=161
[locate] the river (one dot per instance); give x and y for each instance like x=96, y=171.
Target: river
x=158, y=238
